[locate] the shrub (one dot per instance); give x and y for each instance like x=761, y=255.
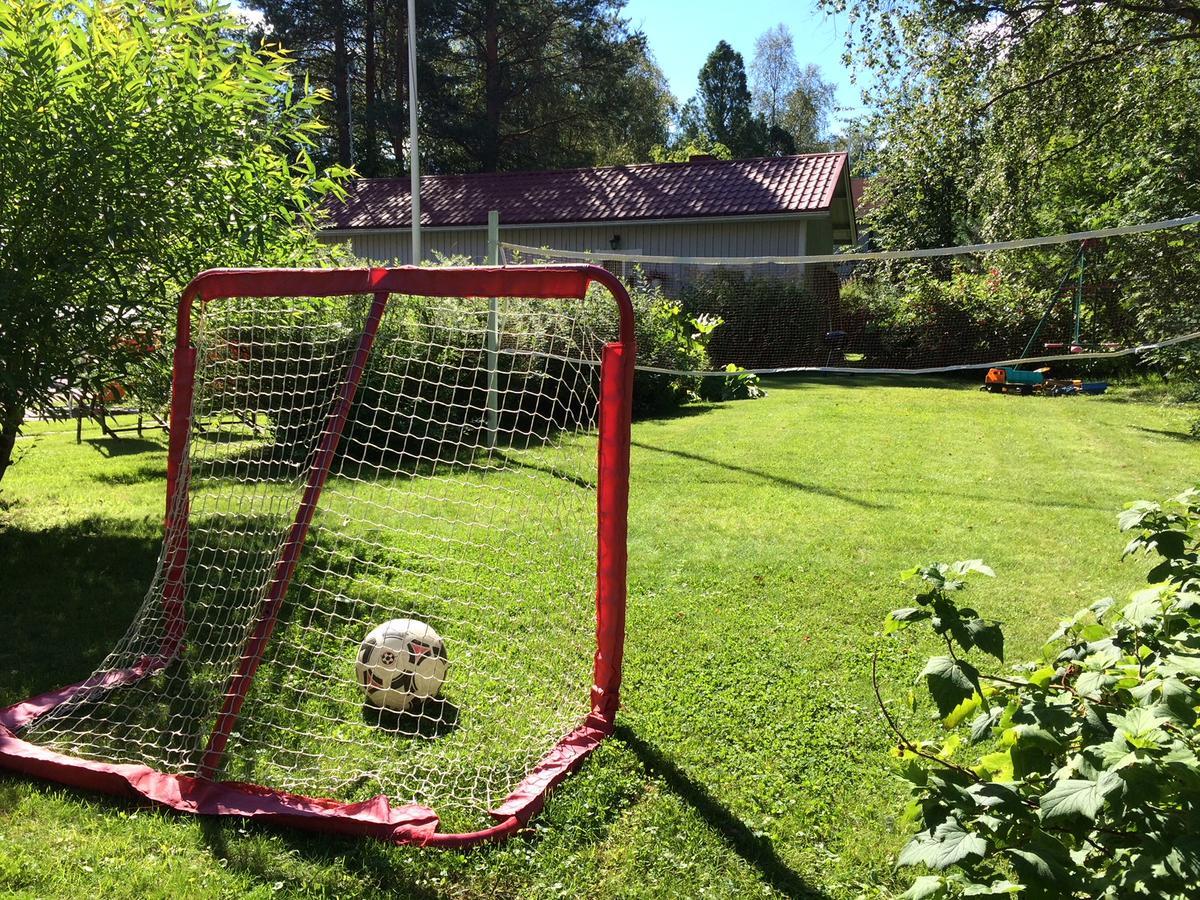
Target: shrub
x=1086, y=782
x=908, y=316
x=139, y=144
x=768, y=319
x=424, y=390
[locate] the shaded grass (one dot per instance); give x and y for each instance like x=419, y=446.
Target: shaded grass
x=765, y=538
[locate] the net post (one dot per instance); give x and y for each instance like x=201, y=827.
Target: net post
x=493, y=334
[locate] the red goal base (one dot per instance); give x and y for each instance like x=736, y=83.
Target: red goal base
x=376, y=818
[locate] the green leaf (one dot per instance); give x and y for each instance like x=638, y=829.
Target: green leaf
x=947, y=845
x=1041, y=868
x=900, y=618
x=1073, y=797
x=987, y=636
x=950, y=682
x=1144, y=606
x=1183, y=663
x=966, y=566
x=1135, y=513
x=983, y=724
x=1140, y=727
x=927, y=887
x=964, y=709
x=997, y=766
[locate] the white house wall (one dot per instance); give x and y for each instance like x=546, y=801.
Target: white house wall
x=757, y=238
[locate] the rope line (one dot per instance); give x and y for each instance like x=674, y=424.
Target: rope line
x=1045, y=241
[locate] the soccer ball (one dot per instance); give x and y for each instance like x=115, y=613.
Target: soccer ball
x=401, y=661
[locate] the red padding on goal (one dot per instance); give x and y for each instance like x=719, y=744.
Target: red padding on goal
x=374, y=818
x=466, y=281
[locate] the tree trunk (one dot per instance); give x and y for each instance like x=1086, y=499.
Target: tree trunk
x=490, y=152
x=399, y=119
x=370, y=151
x=14, y=415
x=341, y=85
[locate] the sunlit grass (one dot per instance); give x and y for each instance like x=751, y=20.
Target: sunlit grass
x=764, y=546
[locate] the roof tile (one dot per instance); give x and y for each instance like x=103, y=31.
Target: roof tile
x=698, y=189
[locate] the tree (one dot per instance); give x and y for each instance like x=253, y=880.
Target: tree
x=795, y=101
x=138, y=145
x=502, y=85
x=774, y=72
x=724, y=100
x=1004, y=121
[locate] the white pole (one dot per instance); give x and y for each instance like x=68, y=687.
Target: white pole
x=493, y=334
x=414, y=146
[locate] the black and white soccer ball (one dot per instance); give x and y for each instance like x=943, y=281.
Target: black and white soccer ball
x=399, y=662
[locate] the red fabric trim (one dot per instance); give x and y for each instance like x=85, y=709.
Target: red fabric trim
x=530, y=795
x=21, y=714
x=464, y=281
x=374, y=817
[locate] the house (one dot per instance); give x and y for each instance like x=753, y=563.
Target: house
x=774, y=206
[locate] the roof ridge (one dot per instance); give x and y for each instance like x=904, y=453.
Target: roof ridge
x=640, y=165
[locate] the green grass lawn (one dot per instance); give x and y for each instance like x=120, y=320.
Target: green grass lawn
x=765, y=538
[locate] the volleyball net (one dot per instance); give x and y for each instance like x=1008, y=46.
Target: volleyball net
x=1071, y=302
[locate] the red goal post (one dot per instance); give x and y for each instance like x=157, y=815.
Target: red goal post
x=203, y=791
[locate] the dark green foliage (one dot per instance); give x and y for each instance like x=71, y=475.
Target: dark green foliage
x=1087, y=780
x=725, y=103
x=522, y=84
x=138, y=145
x=760, y=315
x=909, y=316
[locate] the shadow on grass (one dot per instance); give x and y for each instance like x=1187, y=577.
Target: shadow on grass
x=756, y=850
x=766, y=476
x=111, y=448
x=370, y=858
x=74, y=589
x=140, y=475
x=1173, y=435
x=427, y=718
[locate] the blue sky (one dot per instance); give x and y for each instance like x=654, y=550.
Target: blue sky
x=682, y=33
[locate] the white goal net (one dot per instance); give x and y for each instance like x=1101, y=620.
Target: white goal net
x=461, y=492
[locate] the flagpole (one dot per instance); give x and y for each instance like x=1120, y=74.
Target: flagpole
x=414, y=146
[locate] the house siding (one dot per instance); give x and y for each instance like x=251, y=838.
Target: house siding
x=785, y=237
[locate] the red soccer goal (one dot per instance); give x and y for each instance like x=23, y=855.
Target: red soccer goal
x=350, y=449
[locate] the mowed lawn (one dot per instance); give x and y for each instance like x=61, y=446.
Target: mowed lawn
x=765, y=543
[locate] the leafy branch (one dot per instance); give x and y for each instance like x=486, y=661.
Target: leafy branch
x=1086, y=781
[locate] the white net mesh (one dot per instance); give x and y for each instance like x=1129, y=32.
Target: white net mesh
x=427, y=514
x=1109, y=294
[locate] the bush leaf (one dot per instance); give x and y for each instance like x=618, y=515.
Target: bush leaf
x=950, y=681
x=948, y=844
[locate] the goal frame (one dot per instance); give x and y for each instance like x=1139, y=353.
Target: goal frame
x=204, y=794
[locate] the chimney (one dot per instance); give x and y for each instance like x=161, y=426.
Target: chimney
x=701, y=157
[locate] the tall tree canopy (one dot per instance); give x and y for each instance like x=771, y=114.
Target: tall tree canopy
x=502, y=84
x=724, y=102
x=794, y=100
x=785, y=110
x=1017, y=117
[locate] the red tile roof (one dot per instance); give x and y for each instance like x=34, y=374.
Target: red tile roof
x=701, y=188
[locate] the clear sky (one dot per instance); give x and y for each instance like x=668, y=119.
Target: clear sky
x=682, y=33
